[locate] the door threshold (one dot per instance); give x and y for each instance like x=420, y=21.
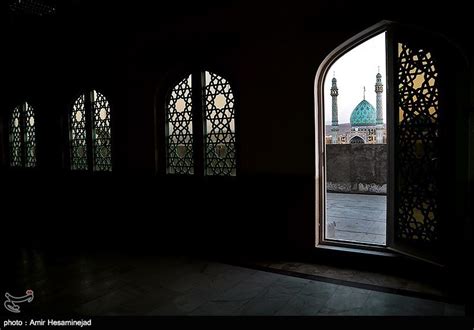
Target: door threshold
x=359, y=250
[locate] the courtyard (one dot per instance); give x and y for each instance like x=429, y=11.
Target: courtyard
x=356, y=218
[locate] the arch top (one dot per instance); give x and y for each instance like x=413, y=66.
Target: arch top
x=348, y=45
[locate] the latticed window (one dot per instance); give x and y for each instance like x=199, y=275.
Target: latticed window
x=22, y=136
x=90, y=133
x=179, y=124
x=200, y=126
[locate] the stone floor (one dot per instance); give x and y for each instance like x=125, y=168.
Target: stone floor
x=365, y=277
x=121, y=285
x=356, y=218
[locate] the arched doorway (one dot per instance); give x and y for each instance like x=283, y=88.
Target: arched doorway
x=357, y=140
x=354, y=102
x=419, y=68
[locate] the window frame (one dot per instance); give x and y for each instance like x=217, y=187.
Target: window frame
x=198, y=110
x=320, y=155
x=22, y=131
x=89, y=127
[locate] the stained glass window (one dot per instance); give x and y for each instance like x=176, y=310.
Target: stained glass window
x=211, y=113
x=90, y=133
x=22, y=136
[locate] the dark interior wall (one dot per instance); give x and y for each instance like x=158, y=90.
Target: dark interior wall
x=133, y=52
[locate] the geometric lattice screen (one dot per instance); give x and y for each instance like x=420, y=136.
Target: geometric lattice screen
x=179, y=127
x=101, y=133
x=22, y=136
x=16, y=158
x=78, y=135
x=418, y=145
x=90, y=134
x=220, y=126
x=214, y=115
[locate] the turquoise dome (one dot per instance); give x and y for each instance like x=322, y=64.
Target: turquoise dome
x=364, y=115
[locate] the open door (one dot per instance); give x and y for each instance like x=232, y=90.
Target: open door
x=426, y=132
x=420, y=68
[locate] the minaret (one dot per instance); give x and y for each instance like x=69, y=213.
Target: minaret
x=379, y=107
x=335, y=124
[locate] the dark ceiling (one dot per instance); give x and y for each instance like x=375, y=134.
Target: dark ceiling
x=122, y=27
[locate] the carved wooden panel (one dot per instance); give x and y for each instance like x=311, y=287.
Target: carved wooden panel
x=418, y=145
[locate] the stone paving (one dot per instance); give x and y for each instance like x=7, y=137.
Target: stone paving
x=356, y=218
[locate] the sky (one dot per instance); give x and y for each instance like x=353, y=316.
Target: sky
x=354, y=70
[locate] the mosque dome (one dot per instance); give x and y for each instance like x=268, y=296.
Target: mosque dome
x=364, y=114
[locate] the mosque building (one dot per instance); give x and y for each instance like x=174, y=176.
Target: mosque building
x=366, y=122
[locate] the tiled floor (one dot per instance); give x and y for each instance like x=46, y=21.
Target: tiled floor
x=363, y=277
x=356, y=217
x=184, y=286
